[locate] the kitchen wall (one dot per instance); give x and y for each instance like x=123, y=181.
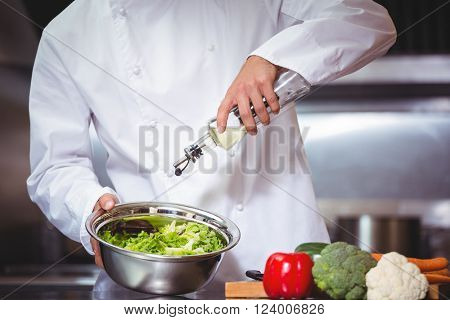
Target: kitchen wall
x=378, y=143
x=25, y=234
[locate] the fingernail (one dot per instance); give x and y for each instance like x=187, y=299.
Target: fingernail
x=109, y=204
x=220, y=129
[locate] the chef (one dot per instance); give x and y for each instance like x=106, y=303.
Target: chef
x=147, y=75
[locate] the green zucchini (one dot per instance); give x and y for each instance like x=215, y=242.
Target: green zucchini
x=311, y=248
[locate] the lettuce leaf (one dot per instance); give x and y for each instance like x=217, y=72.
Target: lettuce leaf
x=172, y=239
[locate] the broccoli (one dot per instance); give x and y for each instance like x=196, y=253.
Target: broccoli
x=341, y=271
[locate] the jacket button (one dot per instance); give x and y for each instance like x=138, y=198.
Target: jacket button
x=137, y=71
x=239, y=207
x=153, y=123
x=211, y=47
x=122, y=12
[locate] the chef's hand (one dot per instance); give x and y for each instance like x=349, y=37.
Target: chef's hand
x=106, y=202
x=254, y=81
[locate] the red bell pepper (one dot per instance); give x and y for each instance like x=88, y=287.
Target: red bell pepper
x=288, y=275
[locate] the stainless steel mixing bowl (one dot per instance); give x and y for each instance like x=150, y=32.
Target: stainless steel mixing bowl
x=157, y=274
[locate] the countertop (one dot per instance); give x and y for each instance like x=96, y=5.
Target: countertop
x=97, y=286
x=74, y=293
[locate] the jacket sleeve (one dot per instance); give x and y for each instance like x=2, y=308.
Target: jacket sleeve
x=327, y=39
x=62, y=182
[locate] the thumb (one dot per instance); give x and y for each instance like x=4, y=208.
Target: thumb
x=107, y=201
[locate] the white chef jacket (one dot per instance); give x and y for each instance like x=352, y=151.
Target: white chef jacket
x=139, y=70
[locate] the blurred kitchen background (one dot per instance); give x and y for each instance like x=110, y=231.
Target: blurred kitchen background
x=378, y=142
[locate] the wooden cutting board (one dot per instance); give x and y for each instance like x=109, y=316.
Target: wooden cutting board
x=255, y=290
x=245, y=290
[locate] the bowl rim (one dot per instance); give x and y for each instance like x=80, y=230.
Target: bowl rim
x=231, y=231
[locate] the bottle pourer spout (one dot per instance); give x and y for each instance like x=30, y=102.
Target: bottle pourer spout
x=191, y=153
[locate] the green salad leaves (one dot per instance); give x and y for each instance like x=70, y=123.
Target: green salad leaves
x=173, y=239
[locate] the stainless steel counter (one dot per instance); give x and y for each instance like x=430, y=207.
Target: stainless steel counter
x=74, y=293
x=86, y=284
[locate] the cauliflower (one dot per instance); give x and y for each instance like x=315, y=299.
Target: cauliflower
x=340, y=271
x=394, y=278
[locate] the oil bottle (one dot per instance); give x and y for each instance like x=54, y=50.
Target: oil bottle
x=289, y=87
